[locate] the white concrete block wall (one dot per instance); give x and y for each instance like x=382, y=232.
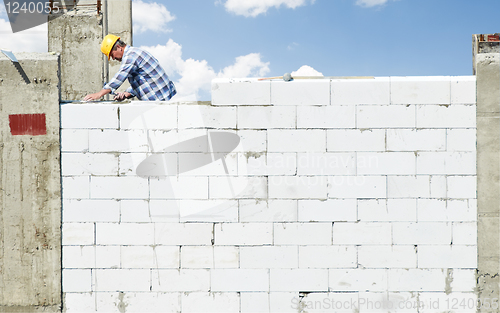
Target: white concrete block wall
x=342, y=195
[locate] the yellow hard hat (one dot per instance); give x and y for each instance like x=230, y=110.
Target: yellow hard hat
x=107, y=44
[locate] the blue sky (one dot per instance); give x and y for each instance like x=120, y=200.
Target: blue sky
x=198, y=40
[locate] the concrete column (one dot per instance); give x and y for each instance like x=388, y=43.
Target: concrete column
x=77, y=36
x=119, y=15
x=30, y=194
x=119, y=22
x=487, y=69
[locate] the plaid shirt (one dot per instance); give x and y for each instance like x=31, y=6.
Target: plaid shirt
x=148, y=80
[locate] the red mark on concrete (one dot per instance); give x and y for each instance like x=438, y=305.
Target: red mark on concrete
x=493, y=37
x=27, y=124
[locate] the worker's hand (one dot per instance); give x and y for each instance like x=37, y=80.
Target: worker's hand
x=122, y=96
x=92, y=97
x=97, y=95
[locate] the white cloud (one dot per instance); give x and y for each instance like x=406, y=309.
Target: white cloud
x=169, y=55
x=370, y=3
x=30, y=40
x=253, y=8
x=195, y=76
x=249, y=65
x=150, y=16
x=292, y=46
x=306, y=70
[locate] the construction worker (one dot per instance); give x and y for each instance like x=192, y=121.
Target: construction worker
x=148, y=80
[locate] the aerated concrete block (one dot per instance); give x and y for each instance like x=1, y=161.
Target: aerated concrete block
x=420, y=90
x=300, y=92
x=248, y=91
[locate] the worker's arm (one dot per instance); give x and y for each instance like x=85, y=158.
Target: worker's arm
x=126, y=67
x=97, y=95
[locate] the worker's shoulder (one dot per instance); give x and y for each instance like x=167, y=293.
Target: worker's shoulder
x=139, y=52
x=131, y=49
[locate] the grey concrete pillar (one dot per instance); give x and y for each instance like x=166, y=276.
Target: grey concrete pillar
x=118, y=16
x=487, y=70
x=77, y=36
x=30, y=194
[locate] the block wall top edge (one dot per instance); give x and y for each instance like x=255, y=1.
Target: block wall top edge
x=361, y=79
x=464, y=78
x=421, y=78
x=90, y=104
x=304, y=81
x=353, y=78
x=238, y=80
x=170, y=102
x=132, y=103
